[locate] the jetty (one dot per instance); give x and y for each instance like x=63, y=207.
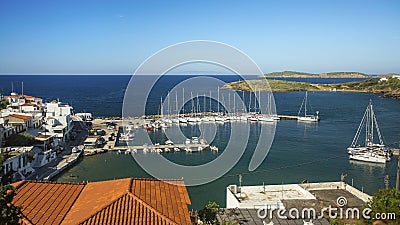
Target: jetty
x=180, y=146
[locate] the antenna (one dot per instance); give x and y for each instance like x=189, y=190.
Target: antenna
x=386, y=180
x=263, y=188
x=22, y=88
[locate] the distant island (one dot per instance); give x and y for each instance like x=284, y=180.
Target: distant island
x=294, y=74
x=389, y=87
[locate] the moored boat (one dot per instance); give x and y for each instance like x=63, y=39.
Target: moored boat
x=368, y=151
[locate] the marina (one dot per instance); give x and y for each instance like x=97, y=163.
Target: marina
x=316, y=151
x=294, y=144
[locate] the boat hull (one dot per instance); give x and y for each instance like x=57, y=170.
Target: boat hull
x=368, y=158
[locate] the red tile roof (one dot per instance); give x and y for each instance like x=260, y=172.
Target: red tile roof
x=28, y=104
x=23, y=96
x=23, y=117
x=45, y=203
x=123, y=201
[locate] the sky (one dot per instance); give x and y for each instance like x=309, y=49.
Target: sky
x=115, y=37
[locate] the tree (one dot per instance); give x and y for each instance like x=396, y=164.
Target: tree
x=9, y=214
x=4, y=104
x=385, y=202
x=209, y=213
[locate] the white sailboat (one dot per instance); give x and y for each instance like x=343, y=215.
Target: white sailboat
x=268, y=117
x=369, y=151
x=306, y=118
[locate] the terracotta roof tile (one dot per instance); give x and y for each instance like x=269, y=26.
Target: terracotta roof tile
x=23, y=117
x=123, y=201
x=36, y=198
x=28, y=104
x=95, y=196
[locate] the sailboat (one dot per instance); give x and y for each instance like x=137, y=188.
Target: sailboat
x=182, y=119
x=306, y=118
x=370, y=151
x=268, y=117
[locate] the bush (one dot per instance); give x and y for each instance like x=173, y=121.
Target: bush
x=209, y=213
x=4, y=104
x=385, y=201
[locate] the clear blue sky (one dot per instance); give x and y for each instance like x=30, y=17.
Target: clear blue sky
x=114, y=37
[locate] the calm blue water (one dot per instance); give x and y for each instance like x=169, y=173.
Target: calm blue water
x=300, y=151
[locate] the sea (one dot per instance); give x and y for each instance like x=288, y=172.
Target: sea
x=300, y=151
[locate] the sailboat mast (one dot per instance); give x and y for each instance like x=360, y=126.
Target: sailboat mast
x=218, y=100
x=197, y=103
x=255, y=101
x=234, y=103
x=191, y=100
x=250, y=93
x=204, y=103
x=176, y=103
x=305, y=105
x=183, y=100
x=161, y=107
x=372, y=123
x=244, y=104
x=229, y=101
x=367, y=125
x=259, y=101
x=168, y=107
x=210, y=102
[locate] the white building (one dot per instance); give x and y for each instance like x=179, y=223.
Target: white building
x=383, y=79
x=58, y=119
x=396, y=76
x=6, y=130
x=18, y=161
x=23, y=103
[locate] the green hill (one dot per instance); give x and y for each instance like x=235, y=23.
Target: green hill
x=295, y=74
x=390, y=88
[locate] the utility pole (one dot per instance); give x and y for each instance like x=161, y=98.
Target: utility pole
x=342, y=176
x=386, y=179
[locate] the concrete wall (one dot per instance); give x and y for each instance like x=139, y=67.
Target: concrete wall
x=231, y=200
x=363, y=196
x=323, y=186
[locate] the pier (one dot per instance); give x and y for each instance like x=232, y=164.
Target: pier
x=180, y=146
x=286, y=117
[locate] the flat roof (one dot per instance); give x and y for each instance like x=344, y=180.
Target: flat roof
x=258, y=195
x=91, y=139
x=294, y=195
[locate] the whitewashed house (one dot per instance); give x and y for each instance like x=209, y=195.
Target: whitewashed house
x=58, y=119
x=383, y=79
x=396, y=76
x=6, y=129
x=18, y=161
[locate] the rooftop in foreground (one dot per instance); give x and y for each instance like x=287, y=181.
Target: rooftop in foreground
x=123, y=201
x=244, y=203
x=277, y=196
